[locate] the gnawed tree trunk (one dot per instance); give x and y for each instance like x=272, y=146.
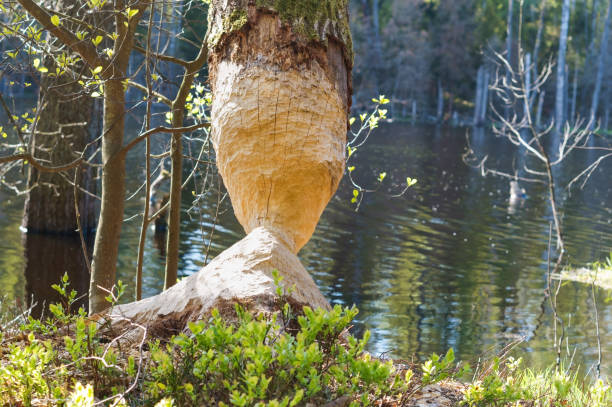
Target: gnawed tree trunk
x=280, y=76
x=560, y=95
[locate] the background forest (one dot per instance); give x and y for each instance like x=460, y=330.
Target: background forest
x=456, y=260
x=410, y=49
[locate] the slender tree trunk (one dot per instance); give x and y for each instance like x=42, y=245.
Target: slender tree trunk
x=176, y=151
x=527, y=70
x=572, y=117
x=538, y=122
x=478, y=97
x=603, y=52
x=509, y=55
x=106, y=246
x=440, y=109
x=560, y=91
x=414, y=111
x=485, y=97
x=538, y=42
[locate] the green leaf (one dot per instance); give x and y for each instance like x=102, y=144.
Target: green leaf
x=55, y=20
x=96, y=41
x=382, y=176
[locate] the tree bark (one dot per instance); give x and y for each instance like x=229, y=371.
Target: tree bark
x=560, y=90
x=106, y=246
x=603, y=52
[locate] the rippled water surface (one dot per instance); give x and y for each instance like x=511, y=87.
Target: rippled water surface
x=449, y=264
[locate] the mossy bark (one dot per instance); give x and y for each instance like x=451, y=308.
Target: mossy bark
x=310, y=21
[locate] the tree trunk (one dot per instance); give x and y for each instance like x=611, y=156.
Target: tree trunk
x=536, y=48
x=572, y=117
x=62, y=133
x=509, y=55
x=538, y=121
x=281, y=98
x=560, y=95
x=485, y=97
x=478, y=97
x=414, y=111
x=377, y=48
x=527, y=70
x=440, y=109
x=603, y=52
x=106, y=246
x=509, y=30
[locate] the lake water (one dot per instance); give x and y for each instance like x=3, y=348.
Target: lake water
x=448, y=264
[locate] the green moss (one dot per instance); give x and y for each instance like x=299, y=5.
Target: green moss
x=235, y=21
x=314, y=20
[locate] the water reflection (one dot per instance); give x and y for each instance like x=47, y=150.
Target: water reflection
x=47, y=258
x=445, y=265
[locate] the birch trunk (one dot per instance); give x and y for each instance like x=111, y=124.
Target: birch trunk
x=560, y=88
x=603, y=51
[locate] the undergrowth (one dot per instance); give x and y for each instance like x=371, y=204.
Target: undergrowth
x=290, y=358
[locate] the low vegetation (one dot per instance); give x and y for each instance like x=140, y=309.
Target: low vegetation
x=284, y=359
